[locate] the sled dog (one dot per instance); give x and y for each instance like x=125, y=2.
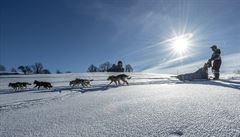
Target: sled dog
x=83, y=82
x=18, y=85
x=118, y=78
x=46, y=85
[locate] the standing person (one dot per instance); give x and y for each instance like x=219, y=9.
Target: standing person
x=215, y=61
x=120, y=67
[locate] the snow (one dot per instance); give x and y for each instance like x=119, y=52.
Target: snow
x=152, y=105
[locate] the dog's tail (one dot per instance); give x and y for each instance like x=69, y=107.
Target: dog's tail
x=91, y=80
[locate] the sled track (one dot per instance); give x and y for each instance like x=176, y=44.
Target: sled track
x=33, y=102
x=72, y=91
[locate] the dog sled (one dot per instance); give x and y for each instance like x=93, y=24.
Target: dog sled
x=200, y=74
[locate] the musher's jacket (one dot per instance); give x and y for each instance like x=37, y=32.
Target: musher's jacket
x=216, y=55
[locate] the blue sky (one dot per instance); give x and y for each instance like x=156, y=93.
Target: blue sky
x=72, y=34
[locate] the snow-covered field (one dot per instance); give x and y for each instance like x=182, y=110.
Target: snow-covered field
x=152, y=105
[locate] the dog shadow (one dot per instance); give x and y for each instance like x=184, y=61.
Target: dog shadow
x=60, y=89
x=79, y=89
x=12, y=91
x=96, y=88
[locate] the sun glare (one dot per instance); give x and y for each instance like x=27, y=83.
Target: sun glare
x=180, y=44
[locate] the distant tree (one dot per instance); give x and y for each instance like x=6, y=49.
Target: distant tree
x=105, y=67
x=92, y=68
x=128, y=68
x=108, y=65
x=2, y=68
x=113, y=68
x=58, y=72
x=101, y=68
x=13, y=70
x=46, y=71
x=23, y=69
x=37, y=68
x=28, y=70
x=68, y=72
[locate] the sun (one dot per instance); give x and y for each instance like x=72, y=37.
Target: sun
x=180, y=44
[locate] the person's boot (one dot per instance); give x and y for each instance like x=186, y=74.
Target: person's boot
x=216, y=76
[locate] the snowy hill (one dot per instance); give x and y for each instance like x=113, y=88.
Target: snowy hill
x=152, y=105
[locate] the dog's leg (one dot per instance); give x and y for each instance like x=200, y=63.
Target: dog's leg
x=35, y=86
x=110, y=83
x=119, y=83
x=125, y=81
x=85, y=85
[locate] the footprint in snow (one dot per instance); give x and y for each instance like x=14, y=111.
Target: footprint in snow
x=176, y=134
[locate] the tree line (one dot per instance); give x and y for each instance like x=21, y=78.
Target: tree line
x=36, y=68
x=109, y=67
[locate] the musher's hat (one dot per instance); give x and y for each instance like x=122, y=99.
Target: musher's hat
x=214, y=47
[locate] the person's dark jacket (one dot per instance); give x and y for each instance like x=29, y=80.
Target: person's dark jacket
x=116, y=69
x=216, y=55
x=217, y=61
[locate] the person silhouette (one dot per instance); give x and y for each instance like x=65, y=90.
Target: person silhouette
x=215, y=61
x=120, y=67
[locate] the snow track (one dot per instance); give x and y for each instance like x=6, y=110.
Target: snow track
x=32, y=102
